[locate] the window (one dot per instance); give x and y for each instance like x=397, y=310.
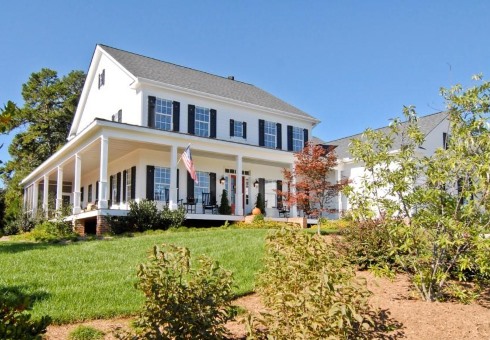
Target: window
x=238, y=129
x=202, y=122
x=128, y=186
x=89, y=194
x=203, y=185
x=113, y=184
x=298, y=139
x=163, y=114
x=270, y=134
x=161, y=182
x=102, y=78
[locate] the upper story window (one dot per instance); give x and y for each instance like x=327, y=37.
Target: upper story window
x=202, y=122
x=298, y=139
x=238, y=129
x=163, y=114
x=102, y=78
x=270, y=133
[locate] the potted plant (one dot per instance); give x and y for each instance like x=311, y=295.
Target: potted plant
x=259, y=205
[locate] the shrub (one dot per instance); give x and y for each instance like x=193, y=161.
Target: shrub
x=143, y=215
x=15, y=322
x=367, y=244
x=52, y=231
x=310, y=290
x=172, y=218
x=224, y=208
x=183, y=302
x=260, y=203
x=86, y=333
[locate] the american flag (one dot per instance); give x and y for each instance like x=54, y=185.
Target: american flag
x=187, y=158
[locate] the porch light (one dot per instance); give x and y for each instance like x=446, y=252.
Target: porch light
x=222, y=180
x=256, y=183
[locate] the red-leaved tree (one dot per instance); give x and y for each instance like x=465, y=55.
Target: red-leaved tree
x=316, y=183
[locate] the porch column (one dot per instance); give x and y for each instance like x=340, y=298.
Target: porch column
x=294, y=207
x=339, y=194
x=59, y=189
x=46, y=195
x=35, y=194
x=172, y=202
x=239, y=188
x=104, y=160
x=76, y=190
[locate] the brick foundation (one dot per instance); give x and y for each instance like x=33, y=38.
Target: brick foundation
x=79, y=227
x=102, y=225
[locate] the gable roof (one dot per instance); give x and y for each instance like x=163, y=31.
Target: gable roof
x=426, y=124
x=184, y=77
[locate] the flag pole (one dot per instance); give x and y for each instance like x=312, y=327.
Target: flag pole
x=182, y=154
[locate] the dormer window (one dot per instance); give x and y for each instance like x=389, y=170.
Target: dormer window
x=102, y=78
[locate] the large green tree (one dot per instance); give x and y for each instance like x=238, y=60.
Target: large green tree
x=42, y=125
x=436, y=208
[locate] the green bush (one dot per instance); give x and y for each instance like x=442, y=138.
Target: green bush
x=224, y=208
x=52, y=231
x=260, y=203
x=143, y=215
x=183, y=302
x=15, y=322
x=86, y=333
x=172, y=218
x=309, y=290
x=367, y=244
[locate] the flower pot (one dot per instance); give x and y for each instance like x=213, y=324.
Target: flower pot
x=256, y=211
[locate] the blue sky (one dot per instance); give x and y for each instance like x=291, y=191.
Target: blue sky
x=352, y=64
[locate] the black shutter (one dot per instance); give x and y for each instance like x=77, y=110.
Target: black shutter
x=279, y=197
x=111, y=180
x=124, y=180
x=81, y=195
x=305, y=136
x=178, y=179
x=151, y=111
x=261, y=132
x=212, y=187
x=118, y=187
x=190, y=186
x=176, y=116
x=232, y=127
x=279, y=136
x=133, y=182
x=97, y=190
x=212, y=132
x=244, y=127
x=290, y=138
x=150, y=180
x=191, y=118
x=444, y=140
x=262, y=187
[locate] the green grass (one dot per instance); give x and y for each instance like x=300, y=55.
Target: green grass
x=86, y=333
x=88, y=280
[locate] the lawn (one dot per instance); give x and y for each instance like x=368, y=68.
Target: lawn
x=95, y=279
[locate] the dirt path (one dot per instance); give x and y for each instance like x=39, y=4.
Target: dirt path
x=417, y=319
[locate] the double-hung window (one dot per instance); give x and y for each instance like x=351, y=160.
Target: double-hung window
x=298, y=139
x=238, y=129
x=270, y=132
x=161, y=183
x=163, y=114
x=202, y=122
x=203, y=184
x=128, y=185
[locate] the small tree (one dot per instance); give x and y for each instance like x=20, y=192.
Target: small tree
x=260, y=203
x=224, y=207
x=311, y=182
x=436, y=207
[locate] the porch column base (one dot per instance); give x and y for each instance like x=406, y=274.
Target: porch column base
x=102, y=225
x=79, y=227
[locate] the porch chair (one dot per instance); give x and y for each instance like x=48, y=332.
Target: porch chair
x=209, y=203
x=190, y=204
x=283, y=210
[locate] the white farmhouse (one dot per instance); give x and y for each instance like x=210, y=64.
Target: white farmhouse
x=435, y=128
x=135, y=118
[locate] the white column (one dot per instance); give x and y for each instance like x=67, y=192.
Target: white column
x=172, y=202
x=35, y=195
x=76, y=185
x=339, y=195
x=59, y=189
x=239, y=188
x=104, y=160
x=46, y=195
x=294, y=208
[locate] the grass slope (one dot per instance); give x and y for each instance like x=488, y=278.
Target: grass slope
x=88, y=280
